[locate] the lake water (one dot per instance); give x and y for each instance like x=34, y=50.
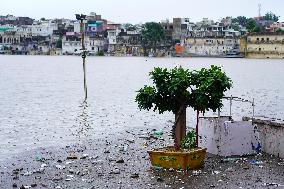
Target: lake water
x=41, y=96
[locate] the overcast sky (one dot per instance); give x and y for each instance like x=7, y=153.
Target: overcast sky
x=137, y=11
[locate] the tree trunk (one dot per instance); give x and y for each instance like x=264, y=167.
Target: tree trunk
x=180, y=129
x=197, y=132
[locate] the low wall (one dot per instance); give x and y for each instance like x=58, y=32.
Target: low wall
x=227, y=138
x=271, y=134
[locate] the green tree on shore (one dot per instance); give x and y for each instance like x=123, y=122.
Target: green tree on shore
x=152, y=35
x=279, y=30
x=271, y=16
x=240, y=20
x=176, y=89
x=59, y=43
x=252, y=26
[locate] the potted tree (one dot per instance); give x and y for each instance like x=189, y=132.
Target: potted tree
x=174, y=91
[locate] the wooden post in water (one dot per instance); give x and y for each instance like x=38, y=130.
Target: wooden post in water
x=82, y=18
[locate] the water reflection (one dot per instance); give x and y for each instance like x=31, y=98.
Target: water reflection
x=83, y=127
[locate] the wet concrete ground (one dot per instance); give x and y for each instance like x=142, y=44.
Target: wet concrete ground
x=121, y=161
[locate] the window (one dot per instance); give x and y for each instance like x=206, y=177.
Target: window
x=267, y=39
x=259, y=49
x=93, y=48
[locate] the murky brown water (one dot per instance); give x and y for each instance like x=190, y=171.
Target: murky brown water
x=41, y=96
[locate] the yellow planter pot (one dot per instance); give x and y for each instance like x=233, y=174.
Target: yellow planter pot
x=181, y=160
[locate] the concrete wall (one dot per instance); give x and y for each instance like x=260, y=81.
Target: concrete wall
x=271, y=132
x=227, y=138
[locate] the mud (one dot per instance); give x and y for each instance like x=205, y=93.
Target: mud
x=121, y=161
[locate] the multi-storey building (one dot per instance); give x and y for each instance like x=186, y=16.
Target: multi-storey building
x=210, y=46
x=263, y=45
x=72, y=44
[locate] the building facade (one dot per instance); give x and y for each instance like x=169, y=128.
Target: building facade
x=210, y=46
x=263, y=45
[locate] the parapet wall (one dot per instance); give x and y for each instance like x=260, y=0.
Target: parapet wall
x=271, y=134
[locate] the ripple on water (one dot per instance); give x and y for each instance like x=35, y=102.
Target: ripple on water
x=41, y=96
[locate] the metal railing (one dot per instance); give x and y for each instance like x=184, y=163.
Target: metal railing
x=238, y=99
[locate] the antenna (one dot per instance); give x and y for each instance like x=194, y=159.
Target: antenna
x=259, y=10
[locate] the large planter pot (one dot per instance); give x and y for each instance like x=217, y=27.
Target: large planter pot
x=181, y=160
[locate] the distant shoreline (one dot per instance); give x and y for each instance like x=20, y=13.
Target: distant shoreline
x=177, y=57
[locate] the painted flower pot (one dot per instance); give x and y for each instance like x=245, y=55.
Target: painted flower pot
x=181, y=160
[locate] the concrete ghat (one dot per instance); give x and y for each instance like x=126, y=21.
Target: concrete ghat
x=271, y=133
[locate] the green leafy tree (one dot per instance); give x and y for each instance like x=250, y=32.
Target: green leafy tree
x=152, y=34
x=236, y=27
x=100, y=53
x=256, y=29
x=59, y=43
x=251, y=24
x=271, y=16
x=130, y=27
x=241, y=20
x=279, y=30
x=179, y=88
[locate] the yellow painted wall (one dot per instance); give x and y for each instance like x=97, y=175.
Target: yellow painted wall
x=264, y=46
x=243, y=45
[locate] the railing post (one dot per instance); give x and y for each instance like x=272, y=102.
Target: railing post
x=231, y=98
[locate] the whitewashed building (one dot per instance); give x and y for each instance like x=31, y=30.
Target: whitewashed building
x=44, y=29
x=71, y=44
x=210, y=46
x=24, y=31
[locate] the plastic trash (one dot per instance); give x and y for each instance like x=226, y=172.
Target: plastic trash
x=158, y=133
x=38, y=157
x=271, y=184
x=43, y=165
x=28, y=173
x=157, y=168
x=254, y=162
x=60, y=167
x=72, y=157
x=216, y=172
x=230, y=160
